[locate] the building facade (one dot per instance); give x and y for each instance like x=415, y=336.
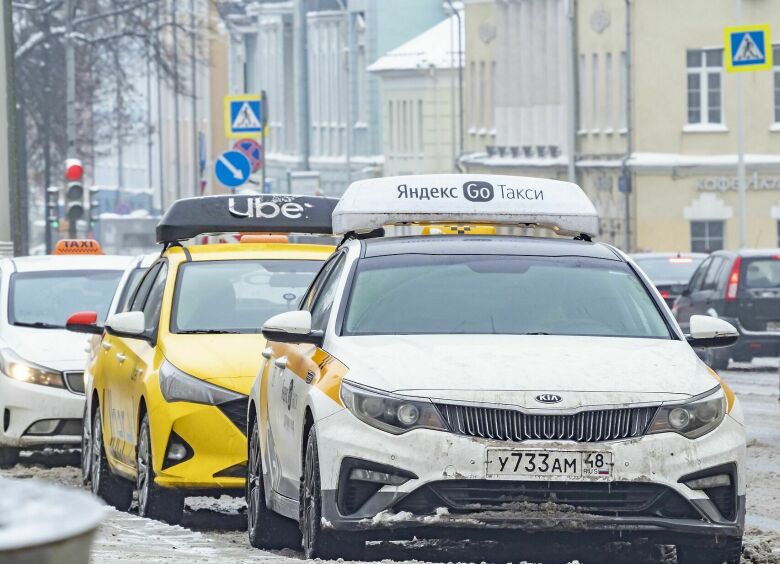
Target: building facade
x=311, y=57
x=421, y=101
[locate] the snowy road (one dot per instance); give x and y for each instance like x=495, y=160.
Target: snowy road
x=213, y=530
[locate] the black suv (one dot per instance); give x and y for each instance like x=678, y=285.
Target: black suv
x=742, y=287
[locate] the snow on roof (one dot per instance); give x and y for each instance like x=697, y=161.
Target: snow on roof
x=436, y=47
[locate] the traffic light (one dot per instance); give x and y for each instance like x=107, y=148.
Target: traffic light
x=74, y=194
x=53, y=207
x=94, y=206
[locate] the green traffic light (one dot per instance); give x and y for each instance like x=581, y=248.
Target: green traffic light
x=55, y=224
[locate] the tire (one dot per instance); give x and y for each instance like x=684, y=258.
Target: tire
x=154, y=502
x=9, y=456
x=717, y=360
x=728, y=552
x=318, y=543
x=86, y=448
x=267, y=529
x=114, y=490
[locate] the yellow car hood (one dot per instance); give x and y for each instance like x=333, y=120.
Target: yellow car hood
x=230, y=361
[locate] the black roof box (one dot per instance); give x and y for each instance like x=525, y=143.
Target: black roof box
x=245, y=213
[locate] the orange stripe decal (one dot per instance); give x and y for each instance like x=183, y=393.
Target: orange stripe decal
x=728, y=392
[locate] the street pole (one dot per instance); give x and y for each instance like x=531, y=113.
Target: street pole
x=626, y=172
x=741, y=142
x=194, y=71
x=9, y=184
x=70, y=80
x=176, y=132
x=264, y=121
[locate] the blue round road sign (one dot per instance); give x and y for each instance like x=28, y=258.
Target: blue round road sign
x=232, y=169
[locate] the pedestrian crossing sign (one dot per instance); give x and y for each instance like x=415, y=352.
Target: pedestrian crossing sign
x=243, y=115
x=748, y=48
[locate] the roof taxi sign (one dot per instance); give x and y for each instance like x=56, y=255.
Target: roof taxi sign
x=465, y=198
x=266, y=213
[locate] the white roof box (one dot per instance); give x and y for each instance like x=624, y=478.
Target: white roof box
x=467, y=198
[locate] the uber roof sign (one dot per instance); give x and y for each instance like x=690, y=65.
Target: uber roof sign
x=266, y=213
x=442, y=198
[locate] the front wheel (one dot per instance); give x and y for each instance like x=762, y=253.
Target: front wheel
x=729, y=551
x=9, y=456
x=267, y=529
x=154, y=502
x=319, y=543
x=86, y=448
x=114, y=490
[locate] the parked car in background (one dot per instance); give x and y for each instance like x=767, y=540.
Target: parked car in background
x=669, y=272
x=742, y=287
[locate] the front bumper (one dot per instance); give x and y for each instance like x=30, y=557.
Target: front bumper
x=215, y=442
x=452, y=492
x=23, y=404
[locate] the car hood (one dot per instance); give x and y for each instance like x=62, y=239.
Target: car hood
x=53, y=348
x=514, y=369
x=231, y=361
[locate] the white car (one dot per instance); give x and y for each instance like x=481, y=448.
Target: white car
x=124, y=291
x=442, y=385
x=42, y=364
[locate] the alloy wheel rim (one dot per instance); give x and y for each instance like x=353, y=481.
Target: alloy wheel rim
x=97, y=442
x=253, y=499
x=308, y=502
x=142, y=469
x=86, y=450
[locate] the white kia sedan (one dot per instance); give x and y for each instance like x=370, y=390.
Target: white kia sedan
x=41, y=363
x=470, y=384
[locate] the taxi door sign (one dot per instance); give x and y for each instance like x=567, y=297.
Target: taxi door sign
x=748, y=48
x=243, y=116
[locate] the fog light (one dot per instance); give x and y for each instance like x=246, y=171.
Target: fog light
x=363, y=475
x=44, y=427
x=177, y=451
x=709, y=482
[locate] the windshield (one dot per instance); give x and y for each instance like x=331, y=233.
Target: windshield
x=762, y=273
x=669, y=269
x=237, y=296
x=47, y=299
x=424, y=294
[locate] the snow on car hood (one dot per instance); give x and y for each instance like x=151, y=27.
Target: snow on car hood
x=53, y=348
x=513, y=369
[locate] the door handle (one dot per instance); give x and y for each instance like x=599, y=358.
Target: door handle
x=267, y=353
x=106, y=346
x=121, y=357
x=281, y=362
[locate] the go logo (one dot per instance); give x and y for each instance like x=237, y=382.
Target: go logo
x=478, y=191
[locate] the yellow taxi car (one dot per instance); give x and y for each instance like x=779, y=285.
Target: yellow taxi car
x=170, y=383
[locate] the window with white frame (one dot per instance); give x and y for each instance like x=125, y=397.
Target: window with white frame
x=776, y=60
x=594, y=94
x=623, y=91
x=608, y=91
x=707, y=236
x=582, y=101
x=705, y=92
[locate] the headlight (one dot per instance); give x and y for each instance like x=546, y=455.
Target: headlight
x=14, y=366
x=693, y=418
x=391, y=413
x=175, y=385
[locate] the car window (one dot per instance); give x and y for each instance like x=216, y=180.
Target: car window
x=477, y=294
x=698, y=278
x=314, y=289
x=713, y=273
x=130, y=285
x=237, y=296
x=666, y=269
x=762, y=272
x=323, y=303
x=154, y=301
x=139, y=299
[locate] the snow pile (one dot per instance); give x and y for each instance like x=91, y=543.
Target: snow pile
x=33, y=513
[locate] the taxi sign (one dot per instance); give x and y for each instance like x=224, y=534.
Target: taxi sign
x=465, y=198
x=245, y=213
x=77, y=247
x=463, y=229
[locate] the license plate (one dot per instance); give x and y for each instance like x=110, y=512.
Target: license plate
x=548, y=464
x=773, y=325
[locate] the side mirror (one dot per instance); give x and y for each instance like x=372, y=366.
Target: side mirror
x=292, y=327
x=126, y=324
x=84, y=322
x=709, y=331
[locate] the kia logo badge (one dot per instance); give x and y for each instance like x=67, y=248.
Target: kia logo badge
x=548, y=398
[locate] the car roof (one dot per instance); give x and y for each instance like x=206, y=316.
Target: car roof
x=748, y=253
x=248, y=251
x=655, y=255
x=44, y=263
x=487, y=245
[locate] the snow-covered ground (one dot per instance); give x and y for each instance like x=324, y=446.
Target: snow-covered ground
x=213, y=530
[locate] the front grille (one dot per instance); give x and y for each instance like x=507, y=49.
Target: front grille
x=236, y=411
x=75, y=382
x=512, y=425
x=601, y=498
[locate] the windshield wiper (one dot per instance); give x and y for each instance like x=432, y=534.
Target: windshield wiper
x=209, y=332
x=38, y=325
x=535, y=333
